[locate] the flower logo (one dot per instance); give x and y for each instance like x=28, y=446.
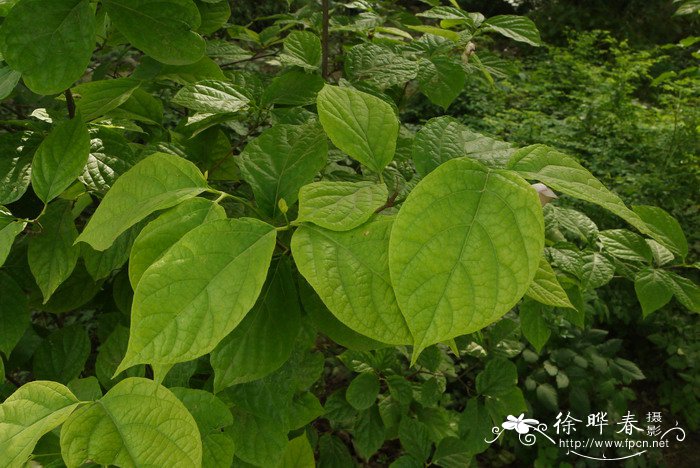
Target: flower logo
x=521, y=425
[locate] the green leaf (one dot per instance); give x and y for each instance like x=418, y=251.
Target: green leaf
x=441, y=79
x=15, y=167
x=545, y=288
x=626, y=245
x=687, y=292
x=33, y=410
x=533, y=324
x=562, y=173
x=363, y=126
x=49, y=42
x=445, y=138
x=195, y=295
x=654, y=289
x=414, y=438
x=142, y=107
x=518, y=28
x=86, y=389
x=137, y=423
x=350, y=272
x=259, y=441
x=274, y=320
x=378, y=66
x=452, y=452
x=662, y=255
x=60, y=159
x=212, y=416
x=597, y=270
x=368, y=432
x=9, y=229
x=667, y=229
x=627, y=369
x=547, y=395
x=298, y=454
x=62, y=356
x=293, y=88
x=212, y=97
x=162, y=29
x=14, y=313
x=362, y=391
x=474, y=422
x=158, y=182
x=340, y=206
x=110, y=157
x=282, y=160
x=462, y=227
x=160, y=234
x=51, y=254
x=332, y=453
x=497, y=378
x=8, y=80
x=101, y=264
x=111, y=353
x=99, y=97
x=214, y=16
x=302, y=49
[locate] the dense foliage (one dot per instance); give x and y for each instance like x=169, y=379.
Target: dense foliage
x=329, y=234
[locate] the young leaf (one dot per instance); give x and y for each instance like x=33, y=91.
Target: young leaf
x=668, y=231
x=282, y=160
x=378, y=66
x=49, y=42
x=162, y=29
x=361, y=125
x=445, y=138
x=274, y=320
x=597, y=270
x=340, y=206
x=33, y=410
x=518, y=28
x=545, y=288
x=626, y=245
x=533, y=324
x=298, y=454
x=160, y=234
x=441, y=79
x=110, y=157
x=158, y=182
x=464, y=226
x=51, y=254
x=302, y=49
x=60, y=159
x=62, y=355
x=137, y=423
x=199, y=290
x=99, y=97
x=654, y=289
x=14, y=313
x=212, y=97
x=350, y=272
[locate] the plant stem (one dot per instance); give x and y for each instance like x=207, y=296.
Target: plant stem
x=70, y=103
x=324, y=39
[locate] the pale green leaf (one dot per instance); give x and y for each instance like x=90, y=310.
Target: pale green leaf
x=162, y=29
x=626, y=245
x=362, y=391
x=435, y=31
x=160, y=181
x=15, y=167
x=298, y=454
x=164, y=231
x=464, y=249
x=597, y=270
x=350, y=272
x=282, y=160
x=198, y=291
x=212, y=97
x=378, y=66
x=137, y=423
x=302, y=49
x=445, y=138
x=274, y=320
x=545, y=288
x=441, y=79
x=33, y=410
x=102, y=263
x=667, y=229
x=533, y=324
x=10, y=228
x=654, y=289
x=14, y=313
x=110, y=157
x=340, y=206
x=49, y=42
x=662, y=255
x=363, y=126
x=99, y=97
x=8, y=80
x=562, y=173
x=686, y=292
x=51, y=254
x=60, y=159
x=518, y=28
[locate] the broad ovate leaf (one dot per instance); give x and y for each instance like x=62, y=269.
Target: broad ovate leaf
x=545, y=287
x=282, y=160
x=33, y=410
x=363, y=126
x=350, y=272
x=668, y=231
x=378, y=66
x=163, y=29
x=158, y=182
x=464, y=249
x=211, y=97
x=137, y=423
x=60, y=159
x=99, y=97
x=164, y=231
x=654, y=289
x=198, y=291
x=562, y=173
x=445, y=138
x=302, y=49
x=49, y=42
x=518, y=28
x=597, y=270
x=340, y=206
x=441, y=79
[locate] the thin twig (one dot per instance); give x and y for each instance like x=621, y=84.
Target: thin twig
x=70, y=103
x=324, y=39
